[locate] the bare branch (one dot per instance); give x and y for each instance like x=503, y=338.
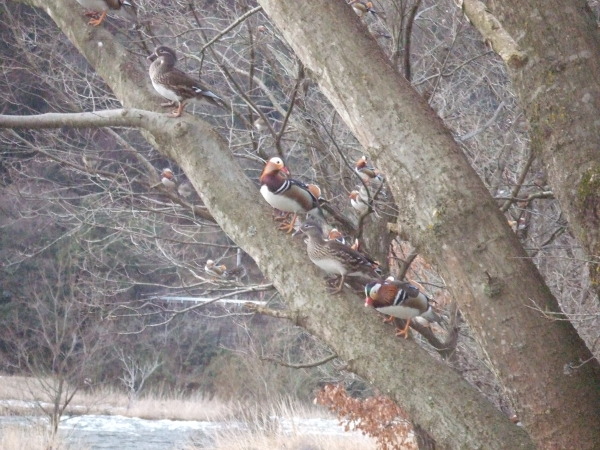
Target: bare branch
x=520, y=181
x=300, y=366
x=277, y=313
x=233, y=24
x=109, y=118
x=494, y=33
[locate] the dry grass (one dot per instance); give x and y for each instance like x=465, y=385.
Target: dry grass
x=110, y=401
x=33, y=437
x=194, y=407
x=253, y=441
x=263, y=428
x=174, y=406
x=20, y=388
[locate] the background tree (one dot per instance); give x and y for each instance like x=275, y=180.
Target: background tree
x=56, y=337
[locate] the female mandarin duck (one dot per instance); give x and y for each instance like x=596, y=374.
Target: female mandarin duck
x=175, y=85
x=105, y=5
x=286, y=194
x=399, y=299
x=334, y=257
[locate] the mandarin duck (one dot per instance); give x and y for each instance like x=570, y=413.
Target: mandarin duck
x=399, y=299
x=362, y=8
x=367, y=173
x=104, y=5
x=359, y=202
x=175, y=85
x=336, y=235
x=214, y=270
x=169, y=181
x=334, y=257
x=221, y=271
x=260, y=125
x=286, y=194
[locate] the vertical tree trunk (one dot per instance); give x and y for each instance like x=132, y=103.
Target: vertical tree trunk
x=559, y=90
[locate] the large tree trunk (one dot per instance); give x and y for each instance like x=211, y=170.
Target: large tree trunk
x=450, y=198
x=559, y=90
x=449, y=215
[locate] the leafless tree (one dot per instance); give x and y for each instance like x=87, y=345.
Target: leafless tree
x=438, y=205
x=57, y=339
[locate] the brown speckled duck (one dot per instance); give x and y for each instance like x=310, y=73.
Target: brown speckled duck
x=175, y=85
x=334, y=257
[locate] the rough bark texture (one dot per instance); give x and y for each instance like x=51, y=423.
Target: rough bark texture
x=559, y=89
x=449, y=216
x=431, y=392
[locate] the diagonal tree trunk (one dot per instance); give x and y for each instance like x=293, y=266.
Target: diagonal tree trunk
x=449, y=215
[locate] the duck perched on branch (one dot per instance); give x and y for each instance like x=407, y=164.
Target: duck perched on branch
x=399, y=299
x=334, y=257
x=286, y=194
x=175, y=85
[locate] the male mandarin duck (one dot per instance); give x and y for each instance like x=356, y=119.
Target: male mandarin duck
x=399, y=299
x=336, y=235
x=362, y=8
x=214, y=270
x=169, y=181
x=104, y=5
x=221, y=271
x=359, y=202
x=367, y=173
x=284, y=193
x=175, y=85
x=334, y=257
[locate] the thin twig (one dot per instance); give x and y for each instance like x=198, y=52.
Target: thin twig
x=484, y=126
x=175, y=313
x=288, y=113
x=536, y=195
x=233, y=24
x=300, y=366
x=520, y=181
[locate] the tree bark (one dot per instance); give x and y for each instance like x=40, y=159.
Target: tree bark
x=451, y=218
x=432, y=393
x=559, y=90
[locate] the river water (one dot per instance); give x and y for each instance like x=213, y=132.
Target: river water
x=96, y=432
